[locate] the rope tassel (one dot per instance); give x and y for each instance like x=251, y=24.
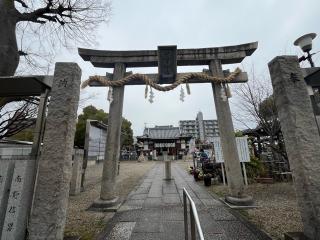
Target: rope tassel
x=110, y=95
x=182, y=94
x=146, y=92
x=228, y=91
x=151, y=97
x=188, y=88
x=223, y=92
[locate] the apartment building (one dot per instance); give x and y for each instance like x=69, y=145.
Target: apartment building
x=199, y=128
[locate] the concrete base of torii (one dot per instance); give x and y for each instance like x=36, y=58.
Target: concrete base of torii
x=240, y=201
x=100, y=205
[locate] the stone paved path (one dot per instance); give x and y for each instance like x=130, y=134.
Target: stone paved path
x=154, y=210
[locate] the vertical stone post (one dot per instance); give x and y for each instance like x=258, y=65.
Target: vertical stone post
x=38, y=133
x=301, y=137
x=228, y=141
x=48, y=215
x=86, y=154
x=108, y=196
x=167, y=166
x=75, y=184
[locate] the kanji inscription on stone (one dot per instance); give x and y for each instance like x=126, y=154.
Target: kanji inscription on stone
x=14, y=226
x=6, y=171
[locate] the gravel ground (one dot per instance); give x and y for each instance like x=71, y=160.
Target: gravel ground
x=277, y=210
x=87, y=224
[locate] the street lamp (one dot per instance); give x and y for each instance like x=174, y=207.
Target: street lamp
x=305, y=43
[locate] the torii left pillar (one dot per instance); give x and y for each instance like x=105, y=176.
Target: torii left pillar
x=108, y=200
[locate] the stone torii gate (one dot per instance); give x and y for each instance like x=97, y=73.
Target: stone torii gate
x=167, y=58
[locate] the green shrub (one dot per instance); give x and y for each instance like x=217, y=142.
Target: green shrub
x=255, y=168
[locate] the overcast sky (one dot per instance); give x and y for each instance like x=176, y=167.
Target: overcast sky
x=145, y=24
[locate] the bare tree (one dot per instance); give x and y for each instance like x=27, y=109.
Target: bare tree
x=17, y=118
x=43, y=24
x=33, y=30
x=256, y=109
x=256, y=105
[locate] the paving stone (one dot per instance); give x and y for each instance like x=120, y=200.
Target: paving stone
x=154, y=194
x=173, y=230
x=128, y=216
x=148, y=180
x=208, y=224
x=202, y=195
x=221, y=214
x=146, y=236
x=151, y=215
x=135, y=203
x=161, y=214
x=148, y=227
x=127, y=208
x=171, y=200
x=169, y=190
x=142, y=190
x=173, y=214
x=171, y=195
x=210, y=202
x=145, y=185
x=153, y=203
x=139, y=196
x=198, y=203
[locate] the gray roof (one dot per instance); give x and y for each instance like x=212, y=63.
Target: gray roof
x=98, y=124
x=162, y=132
x=12, y=86
x=313, y=79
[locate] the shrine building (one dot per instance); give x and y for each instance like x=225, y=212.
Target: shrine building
x=164, y=138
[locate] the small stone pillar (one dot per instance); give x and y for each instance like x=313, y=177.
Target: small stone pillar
x=301, y=137
x=50, y=204
x=228, y=141
x=108, y=196
x=154, y=155
x=167, y=166
x=75, y=184
x=141, y=157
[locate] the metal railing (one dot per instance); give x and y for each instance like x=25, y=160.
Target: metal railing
x=194, y=218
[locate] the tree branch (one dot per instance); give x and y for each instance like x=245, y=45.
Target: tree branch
x=23, y=4
x=51, y=12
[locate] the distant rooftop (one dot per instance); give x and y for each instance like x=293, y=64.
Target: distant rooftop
x=162, y=132
x=164, y=127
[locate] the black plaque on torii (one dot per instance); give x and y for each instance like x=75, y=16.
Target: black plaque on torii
x=167, y=64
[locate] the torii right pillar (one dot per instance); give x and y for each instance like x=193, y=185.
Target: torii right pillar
x=228, y=142
x=301, y=137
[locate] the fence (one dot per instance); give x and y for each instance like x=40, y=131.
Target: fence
x=194, y=218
